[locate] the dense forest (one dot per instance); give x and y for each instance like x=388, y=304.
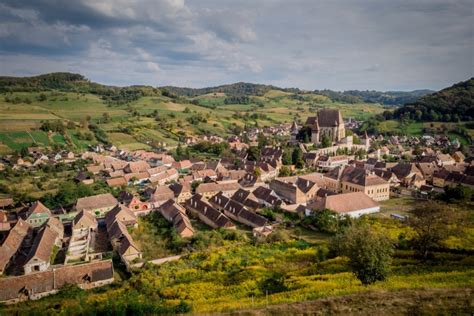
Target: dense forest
x=452, y=104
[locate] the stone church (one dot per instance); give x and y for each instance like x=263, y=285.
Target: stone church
x=328, y=122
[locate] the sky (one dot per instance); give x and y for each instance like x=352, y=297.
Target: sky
x=308, y=44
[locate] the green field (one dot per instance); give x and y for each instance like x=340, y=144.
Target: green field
x=153, y=119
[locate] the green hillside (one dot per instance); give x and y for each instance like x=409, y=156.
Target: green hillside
x=449, y=105
x=139, y=117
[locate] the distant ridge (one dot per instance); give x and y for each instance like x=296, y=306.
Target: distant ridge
x=239, y=88
x=66, y=81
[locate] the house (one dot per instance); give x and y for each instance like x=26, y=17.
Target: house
x=445, y=159
x=84, y=177
x=182, y=166
x=95, y=169
x=98, y=205
x=134, y=203
x=13, y=242
x=239, y=213
x=137, y=177
x=331, y=162
x=182, y=191
x=387, y=175
x=37, y=214
x=57, y=226
x=219, y=201
x=122, y=242
x=354, y=204
x=310, y=159
x=164, y=177
x=427, y=169
x=41, y=253
x=370, y=163
x=121, y=213
x=176, y=214
x=117, y=182
x=116, y=231
x=38, y=285
x=249, y=180
x=360, y=180
x=458, y=156
x=136, y=167
x=160, y=195
x=207, y=214
x=83, y=223
x=156, y=170
x=128, y=250
x=297, y=191
x=408, y=174
x=246, y=198
x=6, y=203
x=207, y=190
x=201, y=175
x=267, y=197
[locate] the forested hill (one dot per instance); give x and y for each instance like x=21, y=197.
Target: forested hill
x=372, y=96
x=451, y=105
x=234, y=89
x=70, y=82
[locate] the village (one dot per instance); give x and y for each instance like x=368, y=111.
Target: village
x=43, y=249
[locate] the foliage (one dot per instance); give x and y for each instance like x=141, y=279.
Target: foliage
x=284, y=171
x=273, y=284
x=459, y=193
x=325, y=142
x=243, y=99
x=327, y=221
x=369, y=252
x=297, y=157
x=70, y=191
x=449, y=105
x=53, y=126
x=99, y=133
x=210, y=147
x=432, y=223
x=253, y=153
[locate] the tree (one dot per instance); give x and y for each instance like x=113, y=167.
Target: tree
x=457, y=193
x=369, y=252
x=297, y=157
x=257, y=172
x=253, y=153
x=431, y=222
x=325, y=142
x=106, y=117
x=327, y=221
x=42, y=97
x=179, y=152
x=284, y=172
x=286, y=158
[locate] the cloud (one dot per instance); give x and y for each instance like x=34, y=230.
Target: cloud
x=341, y=44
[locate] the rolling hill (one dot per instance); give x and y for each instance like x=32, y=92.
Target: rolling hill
x=452, y=104
x=141, y=116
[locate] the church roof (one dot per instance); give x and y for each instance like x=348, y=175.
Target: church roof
x=325, y=118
